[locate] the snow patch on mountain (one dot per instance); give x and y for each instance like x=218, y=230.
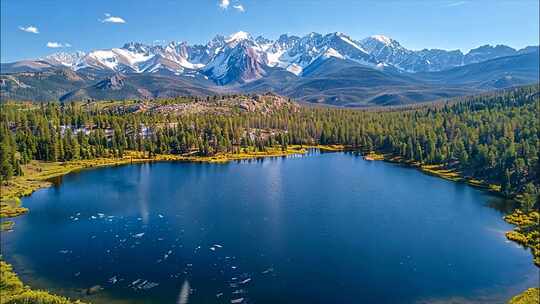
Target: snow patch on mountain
x=238, y=36
x=239, y=57
x=383, y=39
x=332, y=53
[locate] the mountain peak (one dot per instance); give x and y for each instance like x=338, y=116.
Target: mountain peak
x=135, y=47
x=241, y=58
x=383, y=39
x=238, y=36
x=65, y=59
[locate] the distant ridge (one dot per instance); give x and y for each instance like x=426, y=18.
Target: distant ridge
x=333, y=68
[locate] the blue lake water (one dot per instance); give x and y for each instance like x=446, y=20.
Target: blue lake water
x=323, y=228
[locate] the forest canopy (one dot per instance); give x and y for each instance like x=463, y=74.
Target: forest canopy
x=491, y=137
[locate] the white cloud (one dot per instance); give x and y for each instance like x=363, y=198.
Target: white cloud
x=224, y=4
x=112, y=19
x=55, y=45
x=29, y=29
x=240, y=8
x=456, y=3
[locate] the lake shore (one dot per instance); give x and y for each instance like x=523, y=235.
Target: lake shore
x=38, y=175
x=524, y=233
x=14, y=291
x=434, y=170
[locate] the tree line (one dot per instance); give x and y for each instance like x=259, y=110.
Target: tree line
x=492, y=137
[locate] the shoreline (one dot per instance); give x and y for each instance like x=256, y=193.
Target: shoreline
x=434, y=170
x=41, y=174
x=524, y=232
x=38, y=174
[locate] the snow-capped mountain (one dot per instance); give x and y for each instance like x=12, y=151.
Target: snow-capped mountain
x=65, y=59
x=240, y=58
x=295, y=54
x=391, y=52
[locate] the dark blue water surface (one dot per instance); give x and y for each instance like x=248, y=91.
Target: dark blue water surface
x=325, y=228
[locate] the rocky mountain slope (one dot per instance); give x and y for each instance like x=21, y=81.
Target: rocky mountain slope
x=332, y=68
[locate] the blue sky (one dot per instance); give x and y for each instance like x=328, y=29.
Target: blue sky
x=36, y=28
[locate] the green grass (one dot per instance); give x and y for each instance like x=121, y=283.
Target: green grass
x=37, y=174
x=527, y=231
x=529, y=296
x=13, y=291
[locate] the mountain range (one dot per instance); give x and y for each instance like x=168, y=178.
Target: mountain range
x=332, y=68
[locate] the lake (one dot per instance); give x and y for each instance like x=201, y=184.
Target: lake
x=321, y=228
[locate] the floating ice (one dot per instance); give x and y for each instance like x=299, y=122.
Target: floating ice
x=144, y=282
x=235, y=301
x=143, y=285
x=245, y=281
x=148, y=285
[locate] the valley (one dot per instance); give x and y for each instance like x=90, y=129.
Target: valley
x=53, y=139
x=262, y=152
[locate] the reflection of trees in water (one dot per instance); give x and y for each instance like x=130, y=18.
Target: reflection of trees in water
x=55, y=180
x=503, y=205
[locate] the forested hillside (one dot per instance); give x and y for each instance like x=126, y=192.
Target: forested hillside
x=491, y=137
